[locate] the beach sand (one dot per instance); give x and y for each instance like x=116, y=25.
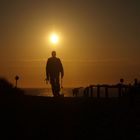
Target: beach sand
x=30, y=117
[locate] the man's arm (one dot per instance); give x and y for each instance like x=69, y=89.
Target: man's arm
x=61, y=69
x=47, y=70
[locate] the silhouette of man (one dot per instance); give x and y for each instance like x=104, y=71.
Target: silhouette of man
x=53, y=70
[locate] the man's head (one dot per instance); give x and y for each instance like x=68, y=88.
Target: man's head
x=53, y=53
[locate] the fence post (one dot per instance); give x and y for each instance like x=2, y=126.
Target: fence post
x=91, y=90
x=106, y=91
x=98, y=91
x=119, y=91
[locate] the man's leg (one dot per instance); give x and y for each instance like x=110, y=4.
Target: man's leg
x=54, y=91
x=53, y=84
x=57, y=86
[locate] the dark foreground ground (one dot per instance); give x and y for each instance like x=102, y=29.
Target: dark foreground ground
x=28, y=117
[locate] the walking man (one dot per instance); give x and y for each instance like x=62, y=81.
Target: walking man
x=54, y=70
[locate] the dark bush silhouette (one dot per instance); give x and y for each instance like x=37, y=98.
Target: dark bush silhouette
x=6, y=88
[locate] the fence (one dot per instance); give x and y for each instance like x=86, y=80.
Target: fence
x=89, y=91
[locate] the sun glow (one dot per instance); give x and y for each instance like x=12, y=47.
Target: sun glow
x=54, y=38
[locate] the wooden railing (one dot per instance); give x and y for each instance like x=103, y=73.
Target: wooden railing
x=89, y=90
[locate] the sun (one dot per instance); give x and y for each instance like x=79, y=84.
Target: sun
x=54, y=38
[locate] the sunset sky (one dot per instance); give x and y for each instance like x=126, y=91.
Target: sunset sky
x=99, y=40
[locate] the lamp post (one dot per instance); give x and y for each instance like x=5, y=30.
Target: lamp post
x=16, y=78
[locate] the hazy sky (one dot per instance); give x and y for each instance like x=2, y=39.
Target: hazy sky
x=99, y=40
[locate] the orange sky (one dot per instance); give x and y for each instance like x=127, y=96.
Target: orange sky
x=99, y=40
